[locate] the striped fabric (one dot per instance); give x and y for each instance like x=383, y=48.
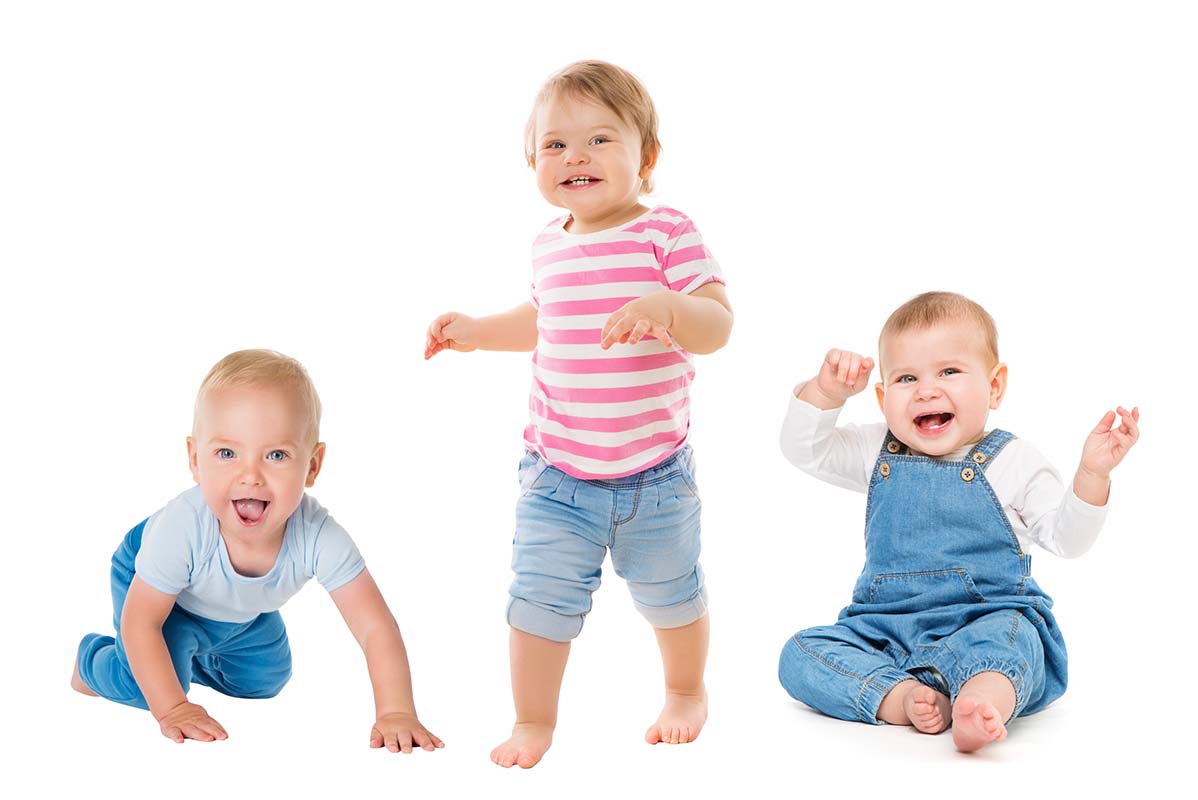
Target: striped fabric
x=605, y=414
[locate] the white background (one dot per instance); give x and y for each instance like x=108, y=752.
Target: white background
x=180, y=181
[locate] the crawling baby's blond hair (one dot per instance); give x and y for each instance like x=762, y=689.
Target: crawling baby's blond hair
x=263, y=368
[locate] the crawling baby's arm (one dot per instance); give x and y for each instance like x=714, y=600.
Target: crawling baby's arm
x=365, y=611
x=146, y=609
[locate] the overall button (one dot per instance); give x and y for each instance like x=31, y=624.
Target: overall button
x=892, y=446
x=884, y=468
x=967, y=474
x=979, y=458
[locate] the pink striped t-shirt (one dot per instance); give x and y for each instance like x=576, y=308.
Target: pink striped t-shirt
x=605, y=414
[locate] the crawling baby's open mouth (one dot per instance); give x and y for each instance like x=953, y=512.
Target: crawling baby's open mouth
x=933, y=423
x=250, y=511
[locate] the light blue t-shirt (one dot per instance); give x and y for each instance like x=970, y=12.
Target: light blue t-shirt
x=182, y=553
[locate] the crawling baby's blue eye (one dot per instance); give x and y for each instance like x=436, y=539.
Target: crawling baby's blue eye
x=224, y=452
x=276, y=455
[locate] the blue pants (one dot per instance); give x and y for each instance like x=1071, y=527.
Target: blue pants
x=240, y=659
x=565, y=526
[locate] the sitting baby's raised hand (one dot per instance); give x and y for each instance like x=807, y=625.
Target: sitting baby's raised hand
x=842, y=375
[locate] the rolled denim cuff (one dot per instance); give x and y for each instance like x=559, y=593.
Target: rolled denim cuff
x=524, y=616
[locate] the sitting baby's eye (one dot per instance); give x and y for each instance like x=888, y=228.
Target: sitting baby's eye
x=276, y=455
x=904, y=379
x=224, y=452
x=949, y=371
x=553, y=145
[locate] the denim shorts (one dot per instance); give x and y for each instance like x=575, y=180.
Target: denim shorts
x=565, y=526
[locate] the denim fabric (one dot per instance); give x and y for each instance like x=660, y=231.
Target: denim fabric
x=946, y=593
x=240, y=659
x=565, y=526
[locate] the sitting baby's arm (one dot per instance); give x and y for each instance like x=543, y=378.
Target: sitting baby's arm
x=810, y=438
x=146, y=609
x=365, y=612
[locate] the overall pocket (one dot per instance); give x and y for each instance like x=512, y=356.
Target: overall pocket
x=942, y=587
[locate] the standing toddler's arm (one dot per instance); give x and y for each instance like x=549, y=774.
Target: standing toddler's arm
x=700, y=321
x=514, y=330
x=146, y=609
x=365, y=612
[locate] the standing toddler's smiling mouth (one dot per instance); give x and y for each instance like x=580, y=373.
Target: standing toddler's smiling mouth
x=580, y=180
x=250, y=510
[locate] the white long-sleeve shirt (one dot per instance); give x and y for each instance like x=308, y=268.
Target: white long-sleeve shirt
x=1040, y=508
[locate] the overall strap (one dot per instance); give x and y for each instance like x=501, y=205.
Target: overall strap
x=892, y=447
x=984, y=451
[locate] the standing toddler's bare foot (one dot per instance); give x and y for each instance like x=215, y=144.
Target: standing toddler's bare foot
x=681, y=719
x=528, y=744
x=927, y=709
x=976, y=724
x=78, y=685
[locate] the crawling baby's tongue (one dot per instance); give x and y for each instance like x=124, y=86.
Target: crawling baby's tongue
x=250, y=510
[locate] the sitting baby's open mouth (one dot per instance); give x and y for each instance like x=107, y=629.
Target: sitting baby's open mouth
x=932, y=423
x=250, y=510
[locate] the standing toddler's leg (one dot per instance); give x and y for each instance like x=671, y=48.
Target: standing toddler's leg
x=537, y=668
x=683, y=658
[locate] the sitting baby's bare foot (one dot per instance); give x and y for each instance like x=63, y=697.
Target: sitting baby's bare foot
x=975, y=724
x=78, y=685
x=528, y=744
x=927, y=709
x=681, y=719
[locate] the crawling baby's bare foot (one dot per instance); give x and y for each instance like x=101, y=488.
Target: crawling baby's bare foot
x=975, y=724
x=681, y=719
x=927, y=709
x=528, y=744
x=78, y=685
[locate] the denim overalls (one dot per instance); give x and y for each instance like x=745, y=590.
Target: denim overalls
x=946, y=593
x=240, y=659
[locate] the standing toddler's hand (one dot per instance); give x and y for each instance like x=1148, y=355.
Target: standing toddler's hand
x=400, y=731
x=651, y=315
x=452, y=331
x=842, y=375
x=189, y=721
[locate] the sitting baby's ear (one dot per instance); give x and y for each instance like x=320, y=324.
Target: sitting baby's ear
x=998, y=385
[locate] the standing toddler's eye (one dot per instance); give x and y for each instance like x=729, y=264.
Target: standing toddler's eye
x=553, y=146
x=599, y=140
x=276, y=455
x=949, y=371
x=224, y=452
